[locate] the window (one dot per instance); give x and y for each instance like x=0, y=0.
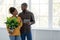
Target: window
x=4, y=9
x=40, y=10
x=46, y=12
x=4, y=6
x=56, y=14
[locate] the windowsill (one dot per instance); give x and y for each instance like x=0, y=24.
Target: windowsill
x=40, y=29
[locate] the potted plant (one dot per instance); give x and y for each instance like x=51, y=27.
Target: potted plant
x=12, y=23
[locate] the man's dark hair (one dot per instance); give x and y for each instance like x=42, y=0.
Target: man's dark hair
x=12, y=9
x=25, y=4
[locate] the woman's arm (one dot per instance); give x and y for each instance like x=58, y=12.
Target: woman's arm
x=7, y=29
x=20, y=22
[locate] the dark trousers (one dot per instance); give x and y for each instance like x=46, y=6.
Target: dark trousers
x=25, y=34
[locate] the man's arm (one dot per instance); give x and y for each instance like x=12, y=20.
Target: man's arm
x=32, y=19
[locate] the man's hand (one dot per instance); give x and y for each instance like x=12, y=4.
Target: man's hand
x=28, y=23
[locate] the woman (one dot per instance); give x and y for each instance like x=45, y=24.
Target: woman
x=16, y=33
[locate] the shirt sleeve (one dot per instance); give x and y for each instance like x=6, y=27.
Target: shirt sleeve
x=32, y=19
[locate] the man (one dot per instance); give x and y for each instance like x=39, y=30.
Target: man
x=27, y=19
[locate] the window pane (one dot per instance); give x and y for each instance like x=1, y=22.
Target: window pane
x=40, y=10
x=35, y=9
x=56, y=14
x=43, y=10
x=2, y=17
x=4, y=11
x=35, y=1
x=56, y=22
x=44, y=1
x=21, y=1
x=56, y=1
x=56, y=9
x=39, y=1
x=7, y=2
x=43, y=22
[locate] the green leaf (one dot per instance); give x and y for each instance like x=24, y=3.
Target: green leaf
x=12, y=22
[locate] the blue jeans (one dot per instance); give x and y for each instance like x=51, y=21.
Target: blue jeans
x=15, y=37
x=28, y=35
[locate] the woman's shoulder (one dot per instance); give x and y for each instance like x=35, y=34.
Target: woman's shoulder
x=19, y=17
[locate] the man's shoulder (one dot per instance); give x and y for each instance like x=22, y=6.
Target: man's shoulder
x=20, y=13
x=29, y=12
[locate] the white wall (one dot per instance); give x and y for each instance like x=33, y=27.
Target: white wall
x=36, y=34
